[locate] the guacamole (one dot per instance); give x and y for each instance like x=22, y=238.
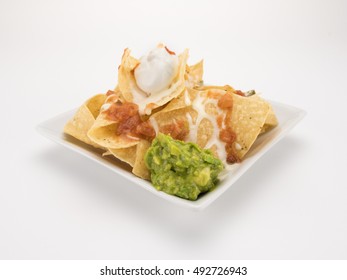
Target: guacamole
x=180, y=168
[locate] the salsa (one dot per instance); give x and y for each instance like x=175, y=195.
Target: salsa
x=129, y=121
x=178, y=129
x=227, y=134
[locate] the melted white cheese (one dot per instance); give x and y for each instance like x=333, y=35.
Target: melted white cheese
x=199, y=105
x=105, y=106
x=154, y=124
x=187, y=100
x=238, y=146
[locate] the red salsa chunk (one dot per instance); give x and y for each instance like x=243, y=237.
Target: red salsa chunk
x=129, y=121
x=226, y=101
x=226, y=134
x=177, y=130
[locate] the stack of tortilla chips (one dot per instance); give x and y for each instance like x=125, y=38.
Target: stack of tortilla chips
x=187, y=101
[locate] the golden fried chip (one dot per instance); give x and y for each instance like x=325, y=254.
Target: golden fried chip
x=194, y=74
x=271, y=119
x=127, y=155
x=103, y=131
x=248, y=117
x=140, y=169
x=270, y=122
x=84, y=119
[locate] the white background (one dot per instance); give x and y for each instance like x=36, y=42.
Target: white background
x=55, y=204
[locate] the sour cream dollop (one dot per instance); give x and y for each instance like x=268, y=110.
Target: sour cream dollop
x=156, y=70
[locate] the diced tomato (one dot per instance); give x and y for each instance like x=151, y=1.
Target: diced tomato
x=146, y=130
x=129, y=121
x=227, y=135
x=231, y=158
x=122, y=111
x=177, y=130
x=231, y=154
x=226, y=101
x=128, y=125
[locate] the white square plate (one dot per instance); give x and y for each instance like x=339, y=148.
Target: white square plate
x=288, y=117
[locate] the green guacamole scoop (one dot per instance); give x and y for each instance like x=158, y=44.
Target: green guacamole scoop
x=180, y=168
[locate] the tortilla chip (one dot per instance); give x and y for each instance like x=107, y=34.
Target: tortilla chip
x=194, y=74
x=271, y=119
x=132, y=93
x=103, y=131
x=126, y=75
x=84, y=119
x=270, y=122
x=127, y=155
x=181, y=101
x=135, y=157
x=140, y=169
x=214, y=87
x=248, y=117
